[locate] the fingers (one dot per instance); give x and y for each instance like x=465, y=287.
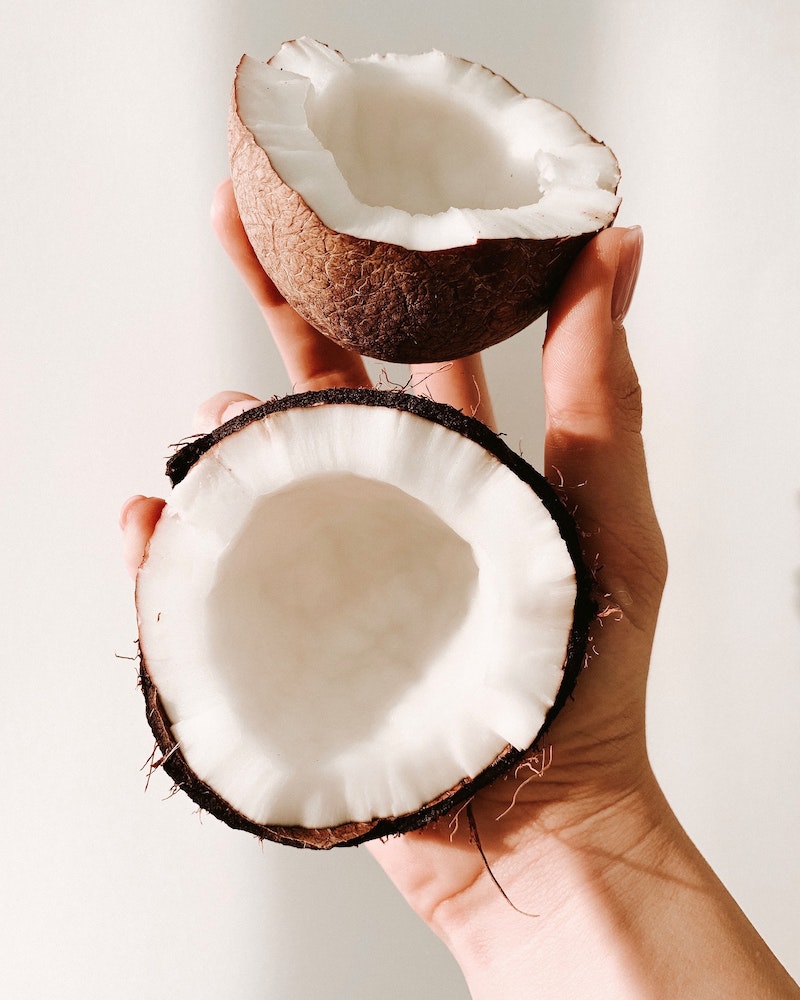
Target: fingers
x=230, y=232
x=460, y=383
x=312, y=361
x=593, y=445
x=221, y=407
x=591, y=386
x=138, y=519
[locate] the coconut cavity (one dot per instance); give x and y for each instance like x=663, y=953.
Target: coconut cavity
x=426, y=151
x=400, y=142
x=350, y=613
x=338, y=599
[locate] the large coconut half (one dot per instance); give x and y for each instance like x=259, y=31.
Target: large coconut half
x=412, y=208
x=357, y=608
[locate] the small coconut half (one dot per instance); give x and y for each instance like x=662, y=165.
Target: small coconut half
x=357, y=608
x=412, y=208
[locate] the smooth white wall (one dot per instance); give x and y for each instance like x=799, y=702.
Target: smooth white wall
x=119, y=314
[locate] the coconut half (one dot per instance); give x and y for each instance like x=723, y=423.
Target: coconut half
x=358, y=607
x=412, y=208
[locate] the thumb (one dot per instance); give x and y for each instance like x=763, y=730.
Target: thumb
x=593, y=444
x=590, y=383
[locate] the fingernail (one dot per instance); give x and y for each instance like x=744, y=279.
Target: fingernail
x=125, y=513
x=630, y=260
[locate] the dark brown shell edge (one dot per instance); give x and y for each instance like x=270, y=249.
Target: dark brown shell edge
x=351, y=834
x=383, y=300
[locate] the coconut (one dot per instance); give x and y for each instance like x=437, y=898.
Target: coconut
x=358, y=607
x=413, y=208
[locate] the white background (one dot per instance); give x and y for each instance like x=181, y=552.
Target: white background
x=119, y=314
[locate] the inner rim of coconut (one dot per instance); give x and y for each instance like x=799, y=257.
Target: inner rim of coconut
x=426, y=151
x=345, y=617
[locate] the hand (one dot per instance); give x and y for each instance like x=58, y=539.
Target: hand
x=581, y=834
x=596, y=757
x=594, y=455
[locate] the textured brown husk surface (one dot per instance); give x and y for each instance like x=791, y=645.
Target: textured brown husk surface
x=173, y=762
x=383, y=300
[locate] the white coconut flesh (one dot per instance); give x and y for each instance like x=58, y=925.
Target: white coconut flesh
x=425, y=151
x=345, y=617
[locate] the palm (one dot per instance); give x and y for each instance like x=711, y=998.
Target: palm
x=593, y=756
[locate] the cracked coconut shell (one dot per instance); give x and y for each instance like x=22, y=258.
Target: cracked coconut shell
x=412, y=208
x=343, y=639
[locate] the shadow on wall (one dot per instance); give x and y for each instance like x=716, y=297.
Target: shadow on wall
x=797, y=571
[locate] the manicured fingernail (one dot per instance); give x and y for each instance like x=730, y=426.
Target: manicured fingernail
x=630, y=260
x=125, y=513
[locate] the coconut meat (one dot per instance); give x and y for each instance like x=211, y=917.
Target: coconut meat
x=345, y=617
x=425, y=151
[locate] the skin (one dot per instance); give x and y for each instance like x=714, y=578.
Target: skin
x=604, y=895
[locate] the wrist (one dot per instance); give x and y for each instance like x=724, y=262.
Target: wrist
x=532, y=855
x=615, y=904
